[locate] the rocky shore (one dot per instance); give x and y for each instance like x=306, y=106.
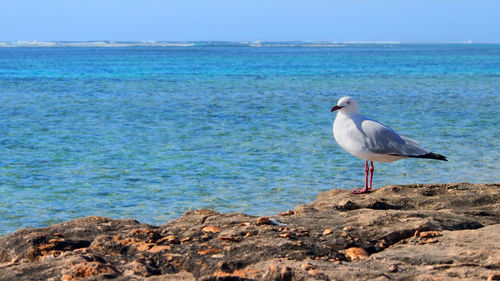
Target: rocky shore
x=411, y=232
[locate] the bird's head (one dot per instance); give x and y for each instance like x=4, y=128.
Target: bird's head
x=346, y=105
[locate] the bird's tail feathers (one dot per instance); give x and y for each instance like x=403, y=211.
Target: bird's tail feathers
x=431, y=155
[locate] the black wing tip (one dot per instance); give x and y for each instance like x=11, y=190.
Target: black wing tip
x=432, y=155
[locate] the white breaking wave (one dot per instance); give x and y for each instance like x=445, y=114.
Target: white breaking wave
x=93, y=44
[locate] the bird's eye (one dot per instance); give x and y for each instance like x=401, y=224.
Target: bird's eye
x=348, y=102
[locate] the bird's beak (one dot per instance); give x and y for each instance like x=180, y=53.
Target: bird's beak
x=335, y=108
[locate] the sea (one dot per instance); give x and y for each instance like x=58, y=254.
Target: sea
x=151, y=130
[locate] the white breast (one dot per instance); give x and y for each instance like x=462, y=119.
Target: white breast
x=349, y=134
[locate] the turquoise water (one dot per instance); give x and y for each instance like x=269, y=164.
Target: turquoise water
x=151, y=132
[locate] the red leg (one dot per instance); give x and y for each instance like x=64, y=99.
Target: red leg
x=372, y=168
x=366, y=175
x=366, y=189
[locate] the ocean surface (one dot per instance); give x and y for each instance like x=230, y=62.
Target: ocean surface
x=149, y=132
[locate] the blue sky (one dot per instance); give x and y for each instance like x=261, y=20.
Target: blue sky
x=238, y=20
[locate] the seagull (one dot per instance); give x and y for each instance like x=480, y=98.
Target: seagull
x=372, y=141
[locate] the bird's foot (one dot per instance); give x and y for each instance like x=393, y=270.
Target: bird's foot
x=361, y=190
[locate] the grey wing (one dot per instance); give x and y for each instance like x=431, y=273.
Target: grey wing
x=409, y=140
x=383, y=140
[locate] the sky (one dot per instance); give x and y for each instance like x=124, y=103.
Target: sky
x=251, y=20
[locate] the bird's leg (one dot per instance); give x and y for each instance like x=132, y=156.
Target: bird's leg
x=372, y=168
x=366, y=175
x=366, y=189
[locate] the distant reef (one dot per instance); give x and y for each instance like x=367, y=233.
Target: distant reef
x=408, y=232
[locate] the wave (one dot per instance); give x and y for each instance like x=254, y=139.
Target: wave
x=257, y=43
x=94, y=44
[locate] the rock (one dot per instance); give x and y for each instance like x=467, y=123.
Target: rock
x=185, y=239
x=327, y=232
x=355, y=253
x=307, y=266
x=429, y=234
x=171, y=239
x=88, y=269
x=411, y=232
x=263, y=220
x=159, y=248
x=180, y=276
x=228, y=238
x=211, y=229
x=287, y=213
x=314, y=272
x=347, y=205
x=146, y=235
x=393, y=268
x=348, y=228
x=494, y=276
x=285, y=235
x=337, y=246
x=209, y=251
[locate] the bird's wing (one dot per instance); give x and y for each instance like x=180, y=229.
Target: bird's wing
x=383, y=140
x=410, y=140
